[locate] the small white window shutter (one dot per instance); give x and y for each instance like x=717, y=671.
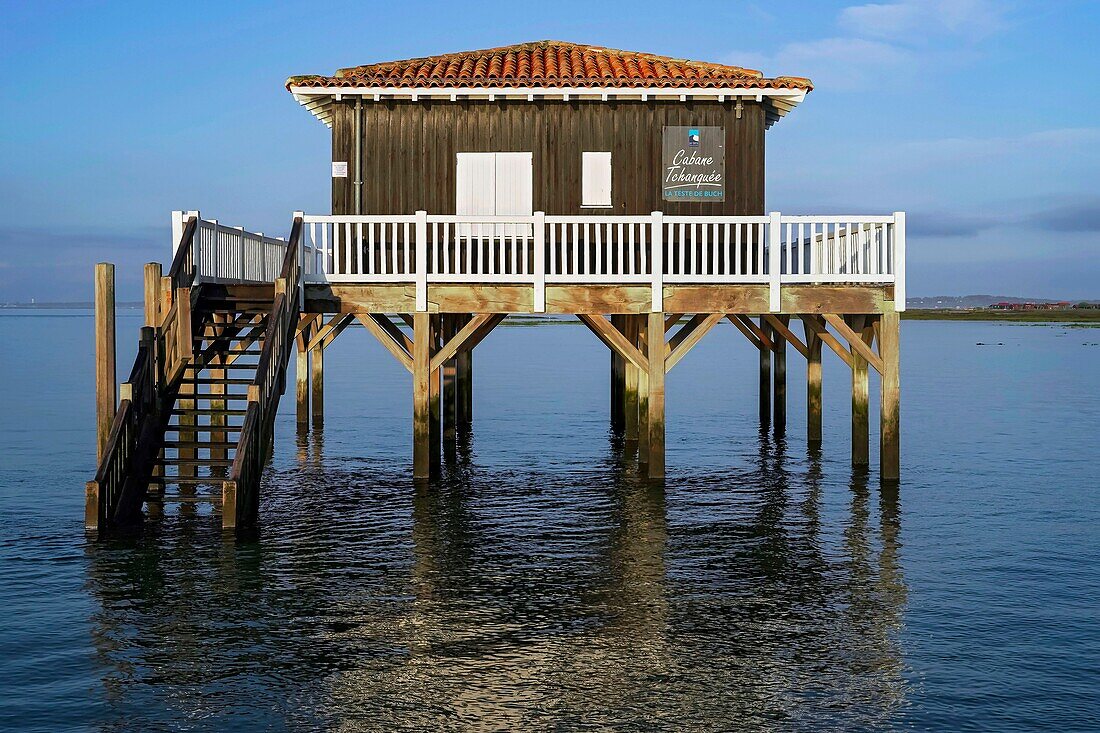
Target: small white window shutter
x=595, y=179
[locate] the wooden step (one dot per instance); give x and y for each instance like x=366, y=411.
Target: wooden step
x=219, y=462
x=206, y=411
x=198, y=444
x=213, y=365
x=215, y=380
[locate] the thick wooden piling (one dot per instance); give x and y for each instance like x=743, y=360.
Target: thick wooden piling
x=779, y=380
x=435, y=425
x=464, y=388
x=421, y=361
x=655, y=409
x=860, y=391
x=889, y=336
x=153, y=295
x=317, y=384
x=301, y=384
x=630, y=385
x=643, y=396
x=765, y=375
x=105, y=378
x=618, y=381
x=449, y=375
x=813, y=388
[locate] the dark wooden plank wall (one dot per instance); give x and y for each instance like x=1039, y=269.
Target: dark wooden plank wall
x=409, y=151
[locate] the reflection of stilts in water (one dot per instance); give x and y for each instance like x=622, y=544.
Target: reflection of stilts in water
x=876, y=597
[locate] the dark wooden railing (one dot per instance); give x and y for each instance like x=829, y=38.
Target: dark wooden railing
x=240, y=492
x=114, y=497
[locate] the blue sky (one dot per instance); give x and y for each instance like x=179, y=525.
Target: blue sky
x=981, y=119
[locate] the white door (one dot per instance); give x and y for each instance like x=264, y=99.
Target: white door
x=494, y=184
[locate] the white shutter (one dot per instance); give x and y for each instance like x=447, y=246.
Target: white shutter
x=514, y=196
x=475, y=190
x=596, y=179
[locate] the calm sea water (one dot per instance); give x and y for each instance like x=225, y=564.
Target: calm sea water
x=540, y=585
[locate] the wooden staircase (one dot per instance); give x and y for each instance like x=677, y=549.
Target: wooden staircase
x=204, y=426
x=195, y=419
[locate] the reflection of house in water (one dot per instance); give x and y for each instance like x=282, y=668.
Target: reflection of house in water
x=509, y=602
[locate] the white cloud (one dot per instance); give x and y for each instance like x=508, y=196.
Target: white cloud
x=910, y=21
x=837, y=63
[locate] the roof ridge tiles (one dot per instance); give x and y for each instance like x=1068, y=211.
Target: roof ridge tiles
x=549, y=64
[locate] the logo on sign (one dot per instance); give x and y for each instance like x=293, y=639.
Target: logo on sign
x=693, y=138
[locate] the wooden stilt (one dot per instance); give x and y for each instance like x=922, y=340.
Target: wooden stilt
x=860, y=439
x=630, y=384
x=105, y=378
x=317, y=384
x=219, y=436
x=153, y=297
x=779, y=380
x=889, y=350
x=421, y=358
x=656, y=401
x=618, y=381
x=643, y=395
x=449, y=369
x=813, y=388
x=435, y=425
x=301, y=376
x=464, y=386
x=765, y=374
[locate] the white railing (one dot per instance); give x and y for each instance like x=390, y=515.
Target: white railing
x=230, y=254
x=772, y=250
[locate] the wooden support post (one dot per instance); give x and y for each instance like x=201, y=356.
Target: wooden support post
x=433, y=401
x=618, y=381
x=105, y=377
x=766, y=374
x=860, y=437
x=656, y=402
x=464, y=386
x=643, y=393
x=219, y=360
x=421, y=357
x=630, y=384
x=153, y=297
x=317, y=384
x=813, y=388
x=889, y=338
x=301, y=378
x=779, y=380
x=450, y=371
x=152, y=294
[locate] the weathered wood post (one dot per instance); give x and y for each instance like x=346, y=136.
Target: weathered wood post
x=765, y=374
x=630, y=384
x=656, y=402
x=435, y=427
x=105, y=378
x=889, y=338
x=813, y=388
x=449, y=374
x=421, y=359
x=217, y=387
x=779, y=380
x=464, y=386
x=317, y=384
x=153, y=298
x=618, y=381
x=860, y=391
x=643, y=394
x=301, y=382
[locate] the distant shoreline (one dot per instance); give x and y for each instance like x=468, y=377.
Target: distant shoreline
x=1068, y=315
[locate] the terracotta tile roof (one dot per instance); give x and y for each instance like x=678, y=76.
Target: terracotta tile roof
x=549, y=64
